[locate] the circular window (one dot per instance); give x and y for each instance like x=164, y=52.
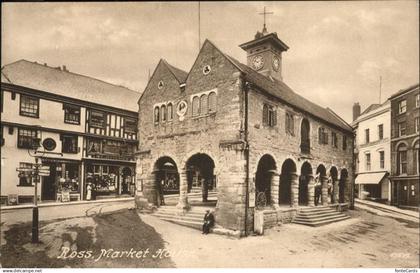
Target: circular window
x=49, y=144
x=160, y=84
x=206, y=69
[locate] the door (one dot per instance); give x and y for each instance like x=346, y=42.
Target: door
x=48, y=184
x=404, y=191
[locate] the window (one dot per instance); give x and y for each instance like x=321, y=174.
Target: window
x=156, y=114
x=27, y=138
x=367, y=136
x=71, y=114
x=269, y=115
x=344, y=143
x=25, y=180
x=334, y=139
x=203, y=104
x=196, y=106
x=170, y=112
x=130, y=125
x=163, y=113
x=212, y=102
x=417, y=100
x=380, y=131
x=417, y=124
x=305, y=137
x=97, y=119
x=382, y=159
x=29, y=106
x=69, y=144
x=402, y=159
x=416, y=157
x=401, y=128
x=290, y=124
x=322, y=136
x=402, y=107
x=367, y=158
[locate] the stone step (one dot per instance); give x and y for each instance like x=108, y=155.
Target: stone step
x=313, y=209
x=187, y=223
x=321, y=223
x=177, y=217
x=319, y=213
x=320, y=218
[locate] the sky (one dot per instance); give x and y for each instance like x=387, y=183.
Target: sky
x=337, y=50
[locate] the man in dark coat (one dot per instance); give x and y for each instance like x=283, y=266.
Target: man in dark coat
x=208, y=222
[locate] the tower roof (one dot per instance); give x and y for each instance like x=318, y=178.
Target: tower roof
x=261, y=38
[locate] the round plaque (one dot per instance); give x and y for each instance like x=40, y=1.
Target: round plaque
x=49, y=144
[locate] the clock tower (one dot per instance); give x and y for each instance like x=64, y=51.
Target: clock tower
x=264, y=53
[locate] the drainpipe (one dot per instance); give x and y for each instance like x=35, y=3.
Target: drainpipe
x=246, y=87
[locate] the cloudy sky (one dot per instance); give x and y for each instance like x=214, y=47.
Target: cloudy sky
x=338, y=50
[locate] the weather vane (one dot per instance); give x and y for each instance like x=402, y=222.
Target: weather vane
x=265, y=13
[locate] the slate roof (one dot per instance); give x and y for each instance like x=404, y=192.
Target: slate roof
x=280, y=90
x=371, y=108
x=53, y=80
x=402, y=91
x=179, y=74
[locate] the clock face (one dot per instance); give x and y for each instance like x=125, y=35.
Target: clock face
x=258, y=62
x=276, y=63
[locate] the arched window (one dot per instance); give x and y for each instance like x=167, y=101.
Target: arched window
x=212, y=102
x=156, y=114
x=416, y=157
x=196, y=106
x=170, y=112
x=304, y=137
x=163, y=113
x=203, y=104
x=402, y=158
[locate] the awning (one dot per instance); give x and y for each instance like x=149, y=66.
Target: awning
x=370, y=178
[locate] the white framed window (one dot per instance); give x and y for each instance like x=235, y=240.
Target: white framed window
x=402, y=107
x=401, y=128
x=381, y=159
x=381, y=131
x=402, y=159
x=368, y=163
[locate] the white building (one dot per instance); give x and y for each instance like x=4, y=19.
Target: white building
x=372, y=149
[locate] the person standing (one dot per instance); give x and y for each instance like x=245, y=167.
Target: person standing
x=89, y=191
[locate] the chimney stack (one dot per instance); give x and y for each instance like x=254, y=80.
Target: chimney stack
x=65, y=68
x=356, y=110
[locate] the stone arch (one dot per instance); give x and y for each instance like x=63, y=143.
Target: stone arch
x=414, y=141
x=266, y=168
x=253, y=169
x=288, y=188
x=334, y=186
x=321, y=185
x=304, y=188
x=188, y=155
x=166, y=179
x=344, y=176
x=200, y=177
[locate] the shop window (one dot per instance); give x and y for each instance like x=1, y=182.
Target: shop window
x=402, y=159
x=29, y=106
x=402, y=107
x=203, y=104
x=368, y=163
x=334, y=139
x=381, y=159
x=170, y=112
x=196, y=106
x=130, y=125
x=97, y=119
x=69, y=144
x=212, y=102
x=25, y=180
x=71, y=114
x=27, y=138
x=156, y=114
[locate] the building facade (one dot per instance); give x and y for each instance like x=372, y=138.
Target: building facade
x=373, y=152
x=405, y=112
x=87, y=129
x=240, y=129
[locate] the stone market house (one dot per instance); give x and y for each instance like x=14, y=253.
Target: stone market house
x=405, y=143
x=240, y=129
x=91, y=122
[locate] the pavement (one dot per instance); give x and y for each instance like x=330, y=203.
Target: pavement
x=364, y=240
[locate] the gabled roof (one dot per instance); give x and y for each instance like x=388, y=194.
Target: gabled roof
x=179, y=74
x=402, y=91
x=371, y=108
x=280, y=90
x=60, y=82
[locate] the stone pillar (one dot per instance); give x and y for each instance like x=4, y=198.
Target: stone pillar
x=145, y=196
x=336, y=190
x=294, y=192
x=324, y=190
x=311, y=190
x=347, y=190
x=275, y=184
x=183, y=191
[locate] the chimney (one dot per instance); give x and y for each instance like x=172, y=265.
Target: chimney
x=65, y=68
x=356, y=110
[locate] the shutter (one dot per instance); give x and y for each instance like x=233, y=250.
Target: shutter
x=274, y=117
x=265, y=114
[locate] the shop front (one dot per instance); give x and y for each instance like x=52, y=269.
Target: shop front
x=64, y=182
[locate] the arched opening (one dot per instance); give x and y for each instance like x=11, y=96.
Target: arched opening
x=166, y=179
x=287, y=170
x=201, y=179
x=305, y=142
x=305, y=173
x=320, y=172
x=127, y=181
x=263, y=177
x=333, y=187
x=342, y=185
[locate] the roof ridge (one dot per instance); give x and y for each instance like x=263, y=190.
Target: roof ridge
x=72, y=73
x=171, y=68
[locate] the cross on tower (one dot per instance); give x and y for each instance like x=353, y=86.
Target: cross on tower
x=264, y=14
